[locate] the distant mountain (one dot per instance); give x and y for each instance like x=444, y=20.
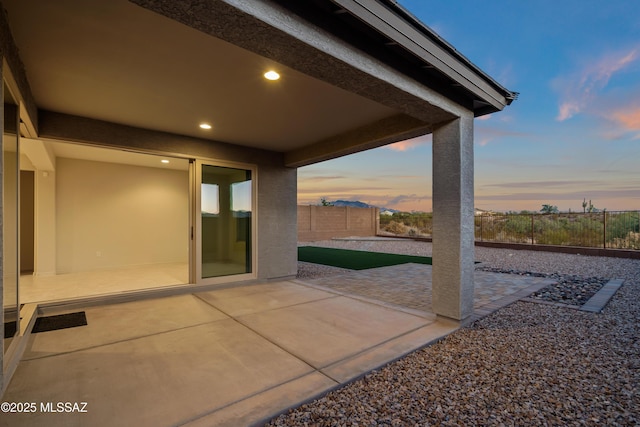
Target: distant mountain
x=352, y=203
x=358, y=204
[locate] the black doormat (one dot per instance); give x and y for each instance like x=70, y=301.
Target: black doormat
x=60, y=321
x=10, y=329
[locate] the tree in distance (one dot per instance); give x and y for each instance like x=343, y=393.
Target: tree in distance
x=549, y=209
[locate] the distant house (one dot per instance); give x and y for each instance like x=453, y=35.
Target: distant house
x=482, y=212
x=146, y=126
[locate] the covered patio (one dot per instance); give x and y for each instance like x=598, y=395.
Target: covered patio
x=234, y=356
x=138, y=77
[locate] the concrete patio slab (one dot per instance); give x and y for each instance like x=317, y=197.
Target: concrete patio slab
x=157, y=380
x=120, y=322
x=261, y=406
x=332, y=329
x=234, y=356
x=257, y=298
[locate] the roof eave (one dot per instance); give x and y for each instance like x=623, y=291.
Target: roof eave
x=403, y=28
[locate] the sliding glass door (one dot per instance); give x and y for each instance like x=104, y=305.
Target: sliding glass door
x=10, y=222
x=225, y=220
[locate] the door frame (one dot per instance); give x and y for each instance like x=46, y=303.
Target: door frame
x=195, y=252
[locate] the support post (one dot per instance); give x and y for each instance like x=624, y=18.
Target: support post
x=533, y=229
x=453, y=221
x=604, y=229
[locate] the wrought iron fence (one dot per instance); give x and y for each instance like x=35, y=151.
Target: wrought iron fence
x=609, y=229
x=615, y=230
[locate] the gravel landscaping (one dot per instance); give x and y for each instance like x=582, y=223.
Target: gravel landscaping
x=568, y=289
x=527, y=364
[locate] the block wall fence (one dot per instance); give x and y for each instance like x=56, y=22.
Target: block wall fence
x=326, y=222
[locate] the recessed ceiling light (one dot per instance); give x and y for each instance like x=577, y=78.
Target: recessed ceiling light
x=271, y=75
x=205, y=126
x=164, y=161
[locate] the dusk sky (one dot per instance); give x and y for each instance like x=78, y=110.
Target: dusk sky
x=573, y=133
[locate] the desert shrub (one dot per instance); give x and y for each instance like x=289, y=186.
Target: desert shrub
x=570, y=229
x=630, y=241
x=553, y=237
x=385, y=220
x=396, y=228
x=586, y=230
x=548, y=231
x=419, y=222
x=619, y=225
x=519, y=227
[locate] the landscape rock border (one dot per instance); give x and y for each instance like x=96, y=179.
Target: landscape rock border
x=525, y=364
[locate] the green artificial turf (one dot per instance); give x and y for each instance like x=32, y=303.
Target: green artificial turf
x=355, y=260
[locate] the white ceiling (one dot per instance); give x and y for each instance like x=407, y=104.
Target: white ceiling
x=114, y=61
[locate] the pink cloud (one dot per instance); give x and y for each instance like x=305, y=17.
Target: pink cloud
x=580, y=89
x=409, y=144
x=622, y=119
x=568, y=109
x=629, y=119
x=403, y=145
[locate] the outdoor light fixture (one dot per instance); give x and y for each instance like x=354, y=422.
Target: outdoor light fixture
x=271, y=75
x=164, y=161
x=206, y=126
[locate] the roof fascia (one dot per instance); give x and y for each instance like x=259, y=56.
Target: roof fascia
x=430, y=48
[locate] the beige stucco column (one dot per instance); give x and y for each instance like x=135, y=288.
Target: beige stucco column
x=453, y=227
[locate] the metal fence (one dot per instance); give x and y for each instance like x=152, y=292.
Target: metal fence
x=608, y=230
x=615, y=230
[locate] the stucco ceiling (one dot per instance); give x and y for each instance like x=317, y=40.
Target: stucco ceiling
x=114, y=61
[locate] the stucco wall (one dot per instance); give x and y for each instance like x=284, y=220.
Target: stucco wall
x=277, y=244
x=326, y=222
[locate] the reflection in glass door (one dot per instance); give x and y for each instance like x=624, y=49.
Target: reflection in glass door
x=10, y=259
x=225, y=207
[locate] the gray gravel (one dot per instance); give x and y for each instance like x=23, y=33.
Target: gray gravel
x=568, y=289
x=527, y=364
x=307, y=270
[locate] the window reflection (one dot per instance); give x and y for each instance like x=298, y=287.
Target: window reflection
x=226, y=209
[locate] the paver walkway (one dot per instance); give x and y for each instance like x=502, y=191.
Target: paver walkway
x=409, y=285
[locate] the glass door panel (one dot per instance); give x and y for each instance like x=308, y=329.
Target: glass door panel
x=225, y=207
x=10, y=173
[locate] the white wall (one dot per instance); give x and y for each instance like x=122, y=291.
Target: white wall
x=45, y=224
x=114, y=215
